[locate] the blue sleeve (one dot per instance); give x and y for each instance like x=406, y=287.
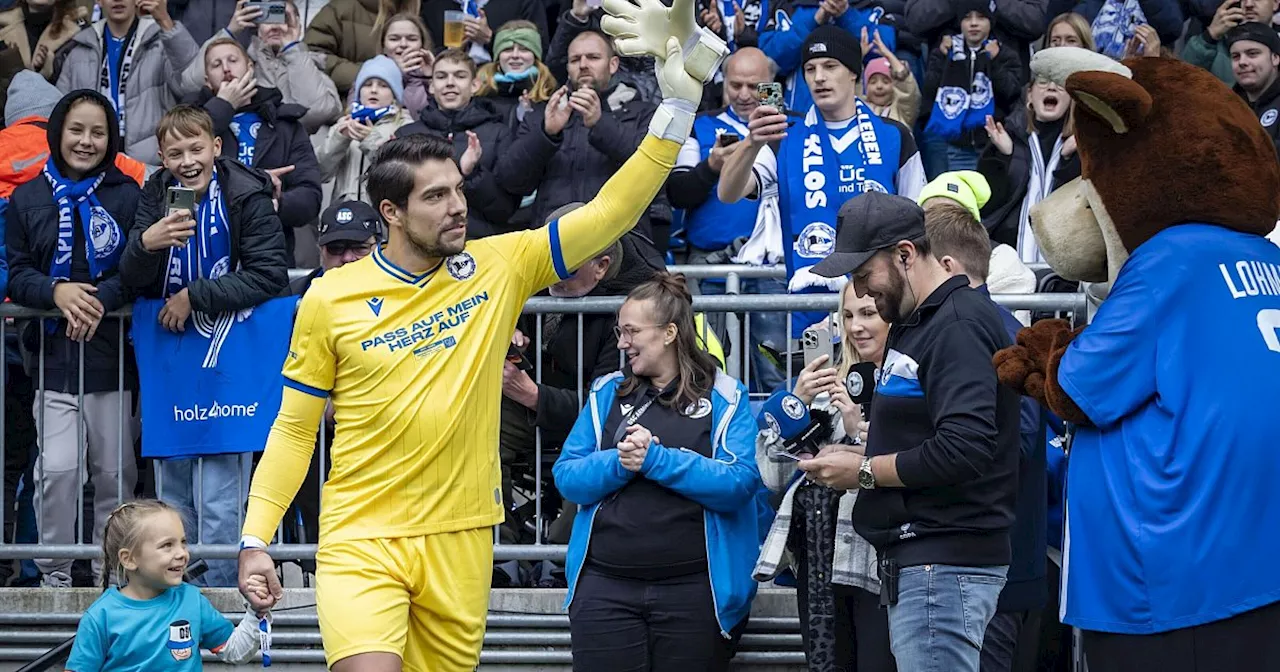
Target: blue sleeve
x=1166, y=17
x=215, y=629
x=1089, y=10
x=89, y=652
x=723, y=487
x=855, y=20
x=1029, y=426
x=4, y=256
x=584, y=475
x=1109, y=369
x=783, y=46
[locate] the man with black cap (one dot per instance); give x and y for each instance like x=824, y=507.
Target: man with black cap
x=840, y=149
x=348, y=231
x=939, y=471
x=1255, y=62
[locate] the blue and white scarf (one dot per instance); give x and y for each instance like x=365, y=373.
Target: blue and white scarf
x=246, y=125
x=103, y=237
x=1114, y=26
x=208, y=253
x=815, y=179
x=964, y=97
x=371, y=115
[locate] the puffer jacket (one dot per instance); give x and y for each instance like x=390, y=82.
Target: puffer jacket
x=296, y=71
x=489, y=205
x=153, y=84
x=727, y=486
x=572, y=166
x=345, y=161
x=281, y=141
x=1017, y=24
x=343, y=32
x=257, y=244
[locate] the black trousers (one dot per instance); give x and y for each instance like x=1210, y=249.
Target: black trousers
x=625, y=625
x=1249, y=641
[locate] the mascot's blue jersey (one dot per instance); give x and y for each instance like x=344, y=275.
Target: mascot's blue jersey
x=1172, y=506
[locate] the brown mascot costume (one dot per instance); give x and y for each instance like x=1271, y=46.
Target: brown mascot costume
x=1173, y=483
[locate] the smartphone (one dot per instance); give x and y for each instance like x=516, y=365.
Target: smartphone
x=770, y=93
x=181, y=198
x=516, y=357
x=816, y=342
x=273, y=11
x=727, y=139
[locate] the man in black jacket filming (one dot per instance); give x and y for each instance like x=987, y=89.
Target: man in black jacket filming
x=939, y=469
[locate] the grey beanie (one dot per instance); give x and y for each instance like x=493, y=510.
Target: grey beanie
x=30, y=95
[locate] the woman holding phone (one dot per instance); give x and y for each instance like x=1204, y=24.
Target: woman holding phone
x=82, y=203
x=659, y=464
x=837, y=587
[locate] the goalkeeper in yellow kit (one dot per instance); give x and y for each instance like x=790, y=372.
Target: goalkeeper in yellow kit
x=408, y=344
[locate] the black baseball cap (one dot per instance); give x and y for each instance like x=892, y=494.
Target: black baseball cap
x=866, y=224
x=349, y=221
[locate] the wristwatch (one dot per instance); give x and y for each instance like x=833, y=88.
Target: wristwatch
x=866, y=477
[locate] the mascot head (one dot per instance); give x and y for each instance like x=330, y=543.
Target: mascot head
x=1161, y=143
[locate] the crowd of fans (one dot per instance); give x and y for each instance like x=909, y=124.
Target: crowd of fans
x=125, y=97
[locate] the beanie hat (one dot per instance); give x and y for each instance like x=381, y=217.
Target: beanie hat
x=1254, y=31
x=966, y=187
x=986, y=8
x=877, y=66
x=380, y=67
x=529, y=38
x=30, y=95
x=828, y=41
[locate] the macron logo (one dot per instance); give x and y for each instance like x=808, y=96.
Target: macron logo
x=375, y=304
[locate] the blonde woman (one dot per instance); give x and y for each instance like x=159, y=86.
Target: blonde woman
x=347, y=32
x=518, y=79
x=837, y=588
x=405, y=40
x=1068, y=30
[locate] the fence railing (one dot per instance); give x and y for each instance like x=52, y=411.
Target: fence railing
x=742, y=308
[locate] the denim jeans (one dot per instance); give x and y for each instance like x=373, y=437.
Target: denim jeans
x=941, y=616
x=219, y=488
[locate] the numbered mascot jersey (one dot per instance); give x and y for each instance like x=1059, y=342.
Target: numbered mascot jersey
x=164, y=633
x=1180, y=374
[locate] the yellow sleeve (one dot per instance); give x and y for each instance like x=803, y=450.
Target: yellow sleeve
x=554, y=252
x=309, y=372
x=284, y=464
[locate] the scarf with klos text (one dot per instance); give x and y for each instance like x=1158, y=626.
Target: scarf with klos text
x=207, y=254
x=964, y=97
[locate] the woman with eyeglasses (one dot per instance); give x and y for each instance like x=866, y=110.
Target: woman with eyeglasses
x=661, y=465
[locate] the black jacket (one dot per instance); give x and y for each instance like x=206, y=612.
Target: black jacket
x=489, y=206
x=1006, y=76
x=32, y=239
x=1267, y=107
x=1009, y=177
x=955, y=431
x=558, y=406
x=1017, y=24
x=572, y=166
x=282, y=141
x=257, y=243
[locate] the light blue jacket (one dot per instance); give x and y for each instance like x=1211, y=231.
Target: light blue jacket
x=728, y=487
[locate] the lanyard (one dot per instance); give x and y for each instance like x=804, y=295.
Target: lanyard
x=264, y=640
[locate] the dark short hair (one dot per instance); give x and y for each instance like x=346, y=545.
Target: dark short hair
x=953, y=232
x=608, y=41
x=390, y=177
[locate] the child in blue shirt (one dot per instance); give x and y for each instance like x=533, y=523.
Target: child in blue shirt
x=154, y=621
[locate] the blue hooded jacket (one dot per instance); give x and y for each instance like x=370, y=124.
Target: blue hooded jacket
x=728, y=486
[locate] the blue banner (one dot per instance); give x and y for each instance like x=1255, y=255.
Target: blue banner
x=214, y=388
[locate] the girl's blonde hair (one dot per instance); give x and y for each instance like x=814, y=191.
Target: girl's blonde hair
x=1078, y=24
x=848, y=356
x=543, y=86
x=123, y=530
x=390, y=8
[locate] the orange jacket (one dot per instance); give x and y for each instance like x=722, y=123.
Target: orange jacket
x=24, y=148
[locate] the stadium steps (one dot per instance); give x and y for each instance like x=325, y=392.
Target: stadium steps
x=526, y=631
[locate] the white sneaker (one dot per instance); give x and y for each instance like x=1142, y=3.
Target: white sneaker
x=56, y=580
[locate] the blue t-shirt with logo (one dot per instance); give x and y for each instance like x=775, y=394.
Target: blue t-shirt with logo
x=121, y=634
x=1171, y=504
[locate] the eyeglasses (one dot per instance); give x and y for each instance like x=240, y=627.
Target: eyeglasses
x=339, y=249
x=628, y=334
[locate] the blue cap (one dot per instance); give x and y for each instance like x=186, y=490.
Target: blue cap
x=785, y=414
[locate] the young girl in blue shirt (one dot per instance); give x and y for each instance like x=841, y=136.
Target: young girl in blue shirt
x=154, y=621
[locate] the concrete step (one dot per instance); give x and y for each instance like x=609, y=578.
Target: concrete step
x=527, y=629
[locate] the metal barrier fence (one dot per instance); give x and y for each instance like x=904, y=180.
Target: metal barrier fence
x=739, y=308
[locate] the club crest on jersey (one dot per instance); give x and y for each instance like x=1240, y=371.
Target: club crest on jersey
x=180, y=645
x=461, y=266
x=699, y=410
x=793, y=407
